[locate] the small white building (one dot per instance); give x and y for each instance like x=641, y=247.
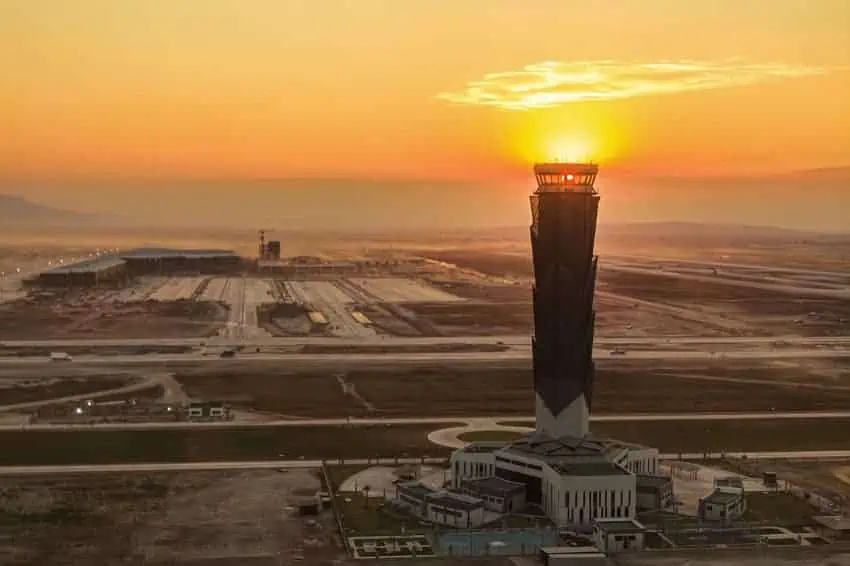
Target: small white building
x=572, y=556
x=441, y=506
x=499, y=495
x=413, y=496
x=455, y=509
x=613, y=536
x=207, y=410
x=573, y=480
x=723, y=505
x=654, y=493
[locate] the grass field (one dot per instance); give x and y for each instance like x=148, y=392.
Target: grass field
x=490, y=436
x=469, y=391
x=18, y=391
x=778, y=508
x=272, y=443
x=198, y=445
x=372, y=516
x=732, y=436
x=35, y=351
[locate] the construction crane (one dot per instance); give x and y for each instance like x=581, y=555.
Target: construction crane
x=263, y=251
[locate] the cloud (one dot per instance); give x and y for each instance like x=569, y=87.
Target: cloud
x=555, y=83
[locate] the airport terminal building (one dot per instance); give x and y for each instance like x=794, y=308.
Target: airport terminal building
x=118, y=269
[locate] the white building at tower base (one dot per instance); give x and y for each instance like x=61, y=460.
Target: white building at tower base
x=575, y=481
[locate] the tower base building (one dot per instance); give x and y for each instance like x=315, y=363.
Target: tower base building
x=574, y=481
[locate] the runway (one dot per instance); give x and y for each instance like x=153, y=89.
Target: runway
x=312, y=464
x=477, y=422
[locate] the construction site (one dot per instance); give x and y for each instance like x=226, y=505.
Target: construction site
x=169, y=293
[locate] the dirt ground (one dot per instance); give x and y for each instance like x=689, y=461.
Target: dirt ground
x=456, y=390
x=763, y=312
x=163, y=517
x=25, y=320
x=284, y=319
x=476, y=319
x=484, y=317
x=769, y=311
x=513, y=257
x=829, y=479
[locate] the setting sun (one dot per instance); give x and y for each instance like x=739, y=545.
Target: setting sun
x=118, y=95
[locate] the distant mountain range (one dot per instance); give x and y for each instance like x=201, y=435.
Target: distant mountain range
x=823, y=173
x=17, y=211
x=699, y=229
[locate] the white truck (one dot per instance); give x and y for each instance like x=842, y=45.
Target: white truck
x=60, y=357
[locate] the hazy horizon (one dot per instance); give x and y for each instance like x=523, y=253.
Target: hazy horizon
x=816, y=204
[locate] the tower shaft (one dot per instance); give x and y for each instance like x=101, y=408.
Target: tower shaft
x=563, y=232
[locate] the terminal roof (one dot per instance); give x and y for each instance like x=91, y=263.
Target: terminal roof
x=719, y=497
x=416, y=490
x=453, y=500
x=483, y=447
x=619, y=525
x=494, y=485
x=569, y=455
x=162, y=253
x=89, y=266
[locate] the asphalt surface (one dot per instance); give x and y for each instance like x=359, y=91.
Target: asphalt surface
x=472, y=421
x=308, y=464
x=512, y=354
x=507, y=340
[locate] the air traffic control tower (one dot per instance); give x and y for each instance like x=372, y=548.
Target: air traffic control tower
x=563, y=230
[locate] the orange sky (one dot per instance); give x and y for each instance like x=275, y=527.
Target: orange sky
x=450, y=89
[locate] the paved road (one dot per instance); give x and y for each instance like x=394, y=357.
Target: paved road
x=472, y=421
x=302, y=464
x=513, y=354
x=508, y=340
x=799, y=290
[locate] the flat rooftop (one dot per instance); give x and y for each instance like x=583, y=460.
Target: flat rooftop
x=88, y=266
x=493, y=485
x=592, y=467
x=722, y=497
x=416, y=490
x=619, y=525
x=483, y=447
x=453, y=500
x=170, y=253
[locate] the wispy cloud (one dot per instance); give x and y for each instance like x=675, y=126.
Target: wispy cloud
x=555, y=83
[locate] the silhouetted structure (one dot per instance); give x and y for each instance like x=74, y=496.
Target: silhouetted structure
x=563, y=229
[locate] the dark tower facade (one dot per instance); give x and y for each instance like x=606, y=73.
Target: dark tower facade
x=563, y=231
